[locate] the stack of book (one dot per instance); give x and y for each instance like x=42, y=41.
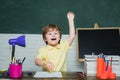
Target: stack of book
x=90, y=64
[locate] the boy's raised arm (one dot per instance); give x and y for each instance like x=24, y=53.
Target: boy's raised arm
x=70, y=16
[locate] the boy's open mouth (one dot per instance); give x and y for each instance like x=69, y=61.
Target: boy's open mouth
x=53, y=39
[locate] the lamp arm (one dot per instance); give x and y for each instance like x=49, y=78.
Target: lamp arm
x=13, y=53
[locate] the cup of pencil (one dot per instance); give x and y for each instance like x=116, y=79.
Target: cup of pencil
x=15, y=70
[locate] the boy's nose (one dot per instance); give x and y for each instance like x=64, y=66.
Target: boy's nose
x=53, y=34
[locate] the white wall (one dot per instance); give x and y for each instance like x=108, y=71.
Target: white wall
x=33, y=42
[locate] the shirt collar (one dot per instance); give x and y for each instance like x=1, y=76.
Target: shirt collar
x=51, y=47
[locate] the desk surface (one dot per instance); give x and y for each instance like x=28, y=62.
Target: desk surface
x=66, y=76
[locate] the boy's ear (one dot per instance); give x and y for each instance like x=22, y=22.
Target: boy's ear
x=44, y=39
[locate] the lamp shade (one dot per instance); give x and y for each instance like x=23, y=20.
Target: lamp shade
x=18, y=41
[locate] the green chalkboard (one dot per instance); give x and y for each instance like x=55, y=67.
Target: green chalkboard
x=29, y=16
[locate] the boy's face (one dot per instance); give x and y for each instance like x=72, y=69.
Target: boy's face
x=52, y=37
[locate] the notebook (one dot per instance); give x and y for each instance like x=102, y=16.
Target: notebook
x=47, y=74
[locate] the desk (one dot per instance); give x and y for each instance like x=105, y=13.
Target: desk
x=66, y=76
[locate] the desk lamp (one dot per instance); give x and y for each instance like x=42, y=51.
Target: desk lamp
x=20, y=41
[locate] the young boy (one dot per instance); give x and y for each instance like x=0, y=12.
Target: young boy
x=53, y=56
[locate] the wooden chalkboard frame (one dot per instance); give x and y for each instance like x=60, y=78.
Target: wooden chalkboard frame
x=96, y=27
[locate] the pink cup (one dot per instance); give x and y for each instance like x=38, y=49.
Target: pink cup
x=15, y=70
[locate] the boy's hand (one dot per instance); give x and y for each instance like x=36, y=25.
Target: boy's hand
x=49, y=66
x=70, y=15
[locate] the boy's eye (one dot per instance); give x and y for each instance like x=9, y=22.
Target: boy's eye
x=55, y=33
x=49, y=33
